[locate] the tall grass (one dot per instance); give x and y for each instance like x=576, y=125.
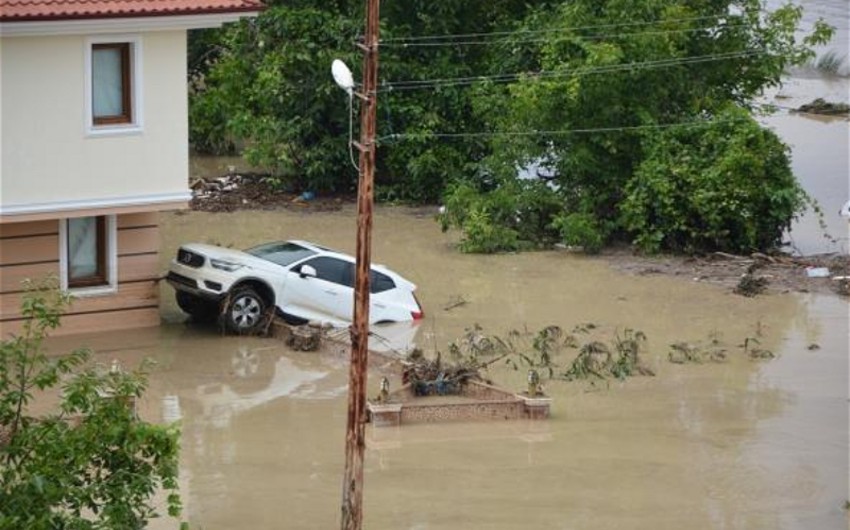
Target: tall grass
x=830, y=63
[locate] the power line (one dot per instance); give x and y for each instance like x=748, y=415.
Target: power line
x=599, y=36
x=561, y=132
x=554, y=30
x=504, y=78
x=557, y=132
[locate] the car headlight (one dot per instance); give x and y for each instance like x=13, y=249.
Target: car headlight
x=224, y=265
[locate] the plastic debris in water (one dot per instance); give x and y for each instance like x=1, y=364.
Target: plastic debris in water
x=817, y=272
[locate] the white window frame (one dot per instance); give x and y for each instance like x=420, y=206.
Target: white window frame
x=136, y=83
x=111, y=286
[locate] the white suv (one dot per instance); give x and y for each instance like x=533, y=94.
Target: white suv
x=301, y=281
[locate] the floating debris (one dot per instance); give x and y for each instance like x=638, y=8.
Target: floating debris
x=826, y=108
x=455, y=302
x=687, y=353
x=756, y=354
x=751, y=285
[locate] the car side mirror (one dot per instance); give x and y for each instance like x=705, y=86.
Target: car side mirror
x=307, y=271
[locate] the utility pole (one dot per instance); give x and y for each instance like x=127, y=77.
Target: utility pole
x=355, y=435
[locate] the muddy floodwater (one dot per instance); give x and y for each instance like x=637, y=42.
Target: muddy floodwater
x=737, y=445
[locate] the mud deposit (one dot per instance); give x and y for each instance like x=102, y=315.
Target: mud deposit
x=737, y=445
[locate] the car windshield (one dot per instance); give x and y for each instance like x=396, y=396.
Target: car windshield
x=281, y=253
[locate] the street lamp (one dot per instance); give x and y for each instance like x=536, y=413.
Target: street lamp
x=342, y=76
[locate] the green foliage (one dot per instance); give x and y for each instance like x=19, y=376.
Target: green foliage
x=88, y=464
x=516, y=215
x=607, y=76
x=622, y=359
x=580, y=230
x=270, y=88
x=608, y=116
x=482, y=235
x=726, y=186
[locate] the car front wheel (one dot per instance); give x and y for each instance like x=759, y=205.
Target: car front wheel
x=245, y=311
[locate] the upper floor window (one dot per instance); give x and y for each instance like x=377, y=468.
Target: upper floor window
x=112, y=96
x=113, y=85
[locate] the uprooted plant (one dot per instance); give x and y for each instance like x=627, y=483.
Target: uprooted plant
x=539, y=351
x=619, y=360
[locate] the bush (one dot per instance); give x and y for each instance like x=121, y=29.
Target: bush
x=92, y=463
x=581, y=230
x=727, y=186
x=517, y=214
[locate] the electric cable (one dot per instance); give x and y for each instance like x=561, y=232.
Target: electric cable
x=553, y=30
x=559, y=132
x=503, y=78
x=520, y=40
x=351, y=132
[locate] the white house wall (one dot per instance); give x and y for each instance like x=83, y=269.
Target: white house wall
x=49, y=161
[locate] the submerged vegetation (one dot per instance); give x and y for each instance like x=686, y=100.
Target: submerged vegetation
x=826, y=108
x=583, y=354
x=830, y=63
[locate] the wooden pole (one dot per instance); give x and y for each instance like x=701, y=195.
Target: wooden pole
x=355, y=442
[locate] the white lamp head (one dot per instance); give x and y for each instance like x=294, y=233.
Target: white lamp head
x=342, y=76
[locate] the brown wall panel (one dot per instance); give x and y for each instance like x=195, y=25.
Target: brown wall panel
x=29, y=250
x=138, y=241
x=95, y=322
x=132, y=220
x=27, y=229
x=139, y=267
x=11, y=276
x=129, y=296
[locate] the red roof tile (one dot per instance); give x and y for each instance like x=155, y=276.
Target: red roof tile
x=28, y=10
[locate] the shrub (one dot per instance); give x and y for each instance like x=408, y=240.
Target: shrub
x=580, y=229
x=727, y=186
x=91, y=463
x=516, y=214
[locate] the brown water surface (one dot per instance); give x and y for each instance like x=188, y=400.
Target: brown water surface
x=738, y=445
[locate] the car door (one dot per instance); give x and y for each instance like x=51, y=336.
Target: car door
x=327, y=296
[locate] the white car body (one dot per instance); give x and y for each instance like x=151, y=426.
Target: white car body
x=299, y=279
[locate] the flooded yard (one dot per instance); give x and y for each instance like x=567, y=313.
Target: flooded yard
x=736, y=445
x=741, y=444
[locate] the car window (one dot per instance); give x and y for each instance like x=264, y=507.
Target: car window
x=281, y=253
x=333, y=270
x=380, y=282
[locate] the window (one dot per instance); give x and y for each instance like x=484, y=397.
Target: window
x=88, y=258
x=113, y=81
x=282, y=254
x=111, y=93
x=379, y=283
x=333, y=270
x=86, y=252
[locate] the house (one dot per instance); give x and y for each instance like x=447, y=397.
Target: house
x=93, y=145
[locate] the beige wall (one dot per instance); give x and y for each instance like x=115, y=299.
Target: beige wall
x=47, y=159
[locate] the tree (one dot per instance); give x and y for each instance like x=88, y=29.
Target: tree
x=727, y=186
x=269, y=89
x=89, y=464
x=613, y=74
